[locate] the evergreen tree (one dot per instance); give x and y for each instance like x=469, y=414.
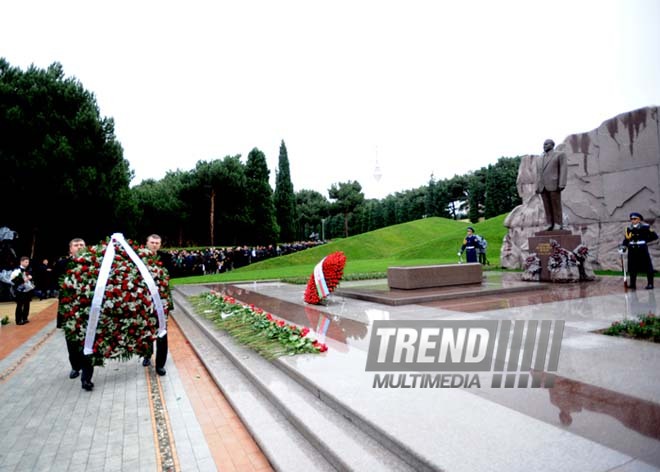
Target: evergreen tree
x=285, y=199
x=311, y=208
x=348, y=196
x=476, y=189
x=501, y=190
x=59, y=161
x=261, y=211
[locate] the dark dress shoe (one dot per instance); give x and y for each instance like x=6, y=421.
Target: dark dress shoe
x=89, y=386
x=160, y=371
x=146, y=362
x=649, y=287
x=73, y=374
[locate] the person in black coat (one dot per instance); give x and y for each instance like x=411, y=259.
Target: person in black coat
x=79, y=362
x=154, y=243
x=637, y=236
x=23, y=286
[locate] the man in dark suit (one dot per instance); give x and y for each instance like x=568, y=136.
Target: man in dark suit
x=154, y=243
x=551, y=182
x=76, y=358
x=23, y=287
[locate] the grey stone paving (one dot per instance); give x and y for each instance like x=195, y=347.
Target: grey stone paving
x=50, y=424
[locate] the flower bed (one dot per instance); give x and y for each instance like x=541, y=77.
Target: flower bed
x=128, y=321
x=643, y=327
x=325, y=278
x=254, y=327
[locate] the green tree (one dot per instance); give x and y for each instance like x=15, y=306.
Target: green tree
x=207, y=185
x=312, y=208
x=410, y=204
x=62, y=165
x=160, y=208
x=261, y=210
x=456, y=188
x=347, y=196
x=501, y=190
x=285, y=199
x=232, y=201
x=476, y=190
x=216, y=196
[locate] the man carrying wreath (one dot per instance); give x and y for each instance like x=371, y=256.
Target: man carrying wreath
x=78, y=361
x=153, y=244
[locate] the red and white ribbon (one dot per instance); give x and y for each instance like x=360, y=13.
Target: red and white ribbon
x=319, y=280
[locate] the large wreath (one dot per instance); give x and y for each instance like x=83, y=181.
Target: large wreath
x=325, y=278
x=128, y=320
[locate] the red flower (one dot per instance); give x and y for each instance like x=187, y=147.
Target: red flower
x=333, y=271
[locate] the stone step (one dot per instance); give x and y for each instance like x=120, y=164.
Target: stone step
x=326, y=427
x=285, y=448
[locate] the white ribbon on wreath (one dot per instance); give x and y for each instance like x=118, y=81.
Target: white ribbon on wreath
x=102, y=281
x=319, y=280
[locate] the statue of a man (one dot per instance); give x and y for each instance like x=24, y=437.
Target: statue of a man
x=551, y=181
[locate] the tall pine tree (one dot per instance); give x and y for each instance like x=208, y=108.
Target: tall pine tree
x=285, y=199
x=261, y=211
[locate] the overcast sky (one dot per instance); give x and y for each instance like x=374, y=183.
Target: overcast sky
x=421, y=87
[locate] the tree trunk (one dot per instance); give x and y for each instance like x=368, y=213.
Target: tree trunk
x=212, y=217
x=346, y=225
x=34, y=242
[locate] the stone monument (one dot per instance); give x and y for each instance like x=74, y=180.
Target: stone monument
x=611, y=171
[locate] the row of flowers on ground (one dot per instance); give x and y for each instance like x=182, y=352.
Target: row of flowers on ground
x=256, y=328
x=261, y=331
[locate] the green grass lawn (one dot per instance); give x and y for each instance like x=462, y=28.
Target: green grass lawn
x=422, y=242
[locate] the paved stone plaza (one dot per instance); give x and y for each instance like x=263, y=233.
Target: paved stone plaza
x=225, y=408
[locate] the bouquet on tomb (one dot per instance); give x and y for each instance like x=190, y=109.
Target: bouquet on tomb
x=325, y=278
x=127, y=313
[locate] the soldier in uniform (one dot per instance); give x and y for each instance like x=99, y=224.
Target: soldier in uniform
x=470, y=244
x=637, y=237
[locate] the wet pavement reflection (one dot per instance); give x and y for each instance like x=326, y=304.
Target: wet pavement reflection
x=552, y=293
x=622, y=422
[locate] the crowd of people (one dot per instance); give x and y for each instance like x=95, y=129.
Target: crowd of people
x=42, y=281
x=215, y=260
x=184, y=262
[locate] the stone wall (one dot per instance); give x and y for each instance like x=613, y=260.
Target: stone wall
x=612, y=171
